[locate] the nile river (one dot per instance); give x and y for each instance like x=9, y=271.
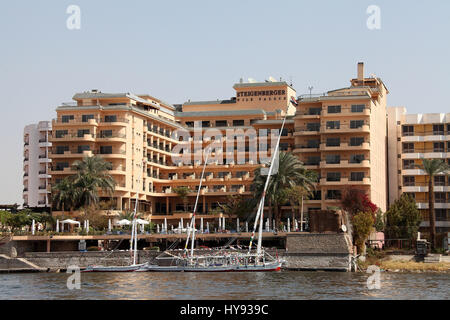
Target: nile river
x=274, y=285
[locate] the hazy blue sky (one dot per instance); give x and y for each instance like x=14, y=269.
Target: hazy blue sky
x=179, y=50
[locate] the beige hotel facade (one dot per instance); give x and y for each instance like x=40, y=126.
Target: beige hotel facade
x=342, y=134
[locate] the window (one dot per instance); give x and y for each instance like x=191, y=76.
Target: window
x=106, y=134
x=284, y=146
x=439, y=181
x=356, y=158
x=408, y=164
x=61, y=165
x=83, y=148
x=333, y=194
x=252, y=121
x=333, y=124
x=60, y=133
x=221, y=123
x=206, y=124
x=356, y=141
x=284, y=133
x=439, y=197
x=314, y=111
x=313, y=144
x=407, y=131
x=67, y=118
x=86, y=117
x=358, y=107
x=438, y=129
x=438, y=146
x=333, y=176
x=333, y=159
x=408, y=147
x=355, y=124
x=334, y=109
x=441, y=215
x=448, y=128
x=111, y=118
x=313, y=161
x=61, y=149
x=105, y=149
x=82, y=132
x=409, y=181
x=333, y=142
x=190, y=124
x=316, y=195
x=313, y=126
x=356, y=176
x=238, y=123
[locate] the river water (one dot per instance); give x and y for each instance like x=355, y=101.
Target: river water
x=226, y=286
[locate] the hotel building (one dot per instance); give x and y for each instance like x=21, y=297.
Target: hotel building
x=342, y=135
x=36, y=177
x=413, y=137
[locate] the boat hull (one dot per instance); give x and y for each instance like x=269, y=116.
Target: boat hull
x=113, y=268
x=276, y=266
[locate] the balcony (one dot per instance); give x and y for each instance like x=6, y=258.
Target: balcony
x=305, y=131
x=78, y=121
x=115, y=137
x=306, y=148
x=75, y=137
x=346, y=112
x=345, y=129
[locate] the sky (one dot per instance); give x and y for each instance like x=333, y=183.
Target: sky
x=180, y=50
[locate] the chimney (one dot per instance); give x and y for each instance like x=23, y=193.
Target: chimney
x=360, y=71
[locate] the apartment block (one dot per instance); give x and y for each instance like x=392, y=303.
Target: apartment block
x=413, y=137
x=36, y=176
x=342, y=135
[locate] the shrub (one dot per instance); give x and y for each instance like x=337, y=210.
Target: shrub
x=362, y=226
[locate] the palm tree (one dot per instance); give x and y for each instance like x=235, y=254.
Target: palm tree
x=64, y=194
x=239, y=206
x=291, y=173
x=432, y=167
x=183, y=192
x=92, y=175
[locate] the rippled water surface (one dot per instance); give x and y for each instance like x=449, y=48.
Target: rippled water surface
x=271, y=285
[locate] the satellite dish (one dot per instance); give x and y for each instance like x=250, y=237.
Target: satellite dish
x=344, y=228
x=272, y=79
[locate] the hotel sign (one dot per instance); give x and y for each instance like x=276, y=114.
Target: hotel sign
x=261, y=93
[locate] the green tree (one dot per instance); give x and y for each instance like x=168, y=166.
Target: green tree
x=92, y=175
x=433, y=167
x=362, y=224
x=379, y=221
x=64, y=194
x=238, y=205
x=4, y=219
x=403, y=218
x=290, y=173
x=182, y=192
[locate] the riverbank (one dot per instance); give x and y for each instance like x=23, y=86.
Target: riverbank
x=399, y=263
